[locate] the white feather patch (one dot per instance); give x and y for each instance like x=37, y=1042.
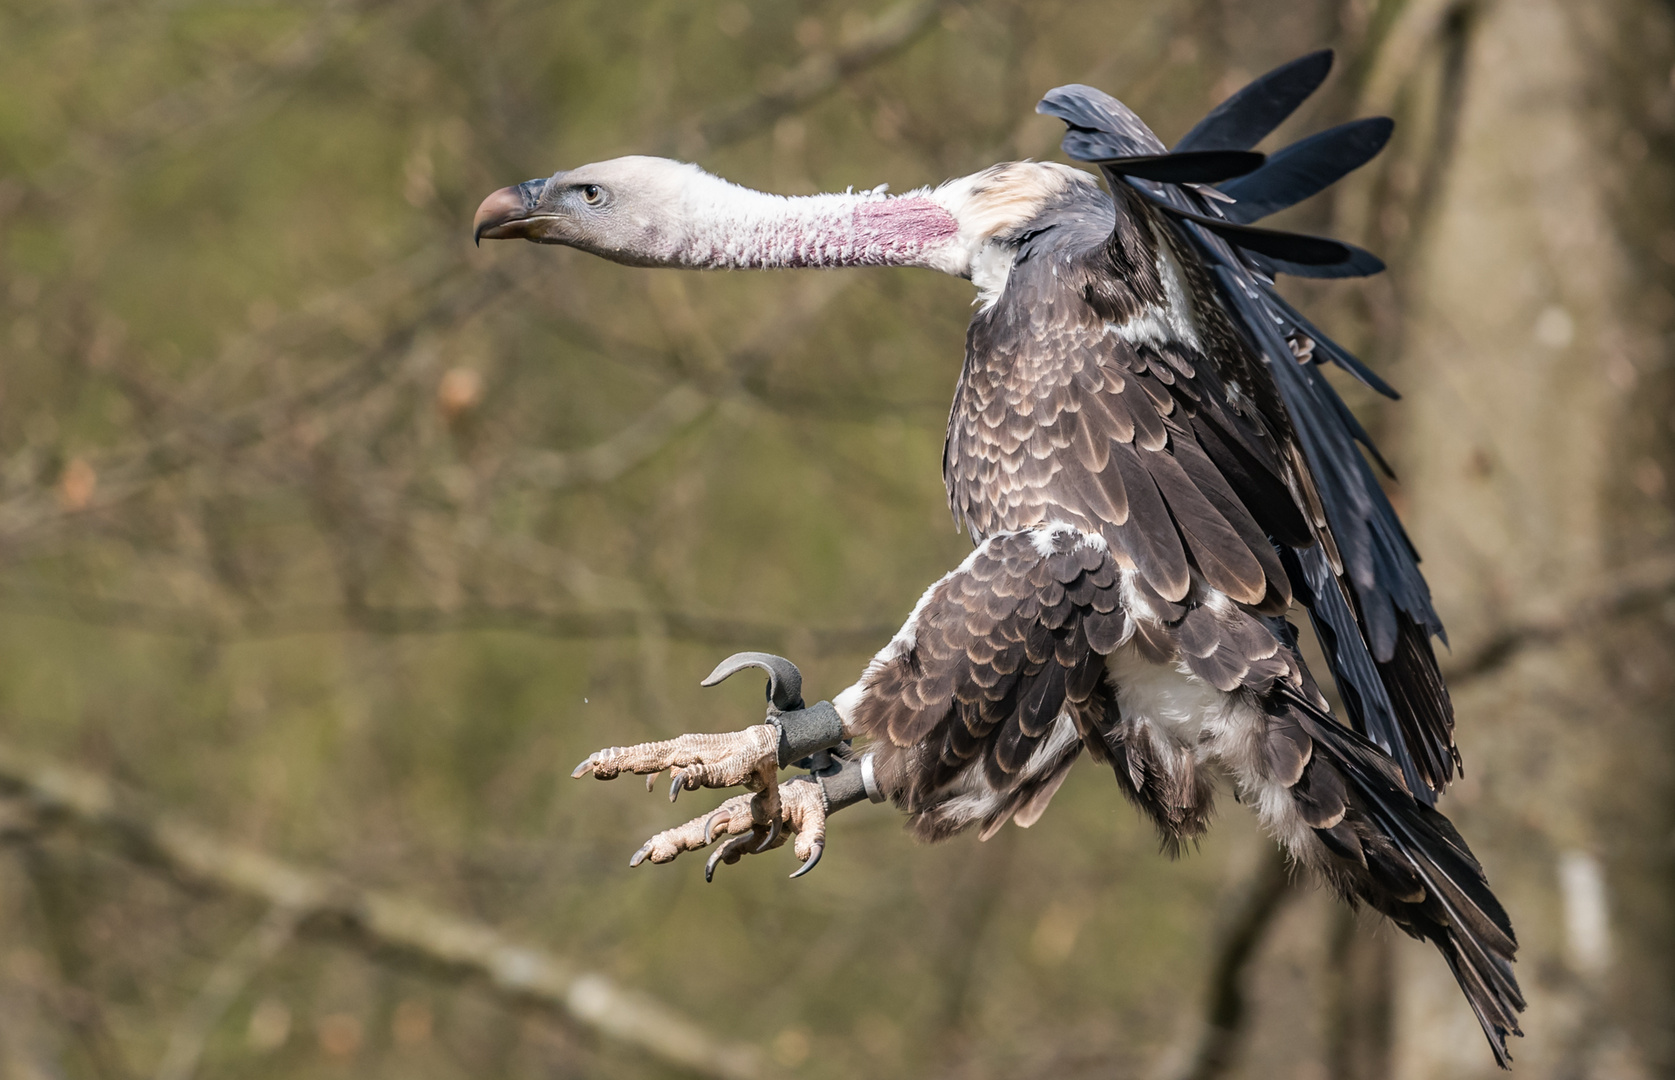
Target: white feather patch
x=1173, y=321
x=1179, y=711
x=992, y=205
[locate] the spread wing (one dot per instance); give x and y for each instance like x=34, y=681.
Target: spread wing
x=1361, y=582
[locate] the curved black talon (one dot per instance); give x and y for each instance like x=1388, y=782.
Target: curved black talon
x=709, y=823
x=722, y=852
x=773, y=834
x=674, y=786
x=640, y=856
x=785, y=682
x=819, y=850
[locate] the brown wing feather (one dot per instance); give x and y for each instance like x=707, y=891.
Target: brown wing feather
x=998, y=652
x=967, y=707
x=1058, y=418
x=1221, y=553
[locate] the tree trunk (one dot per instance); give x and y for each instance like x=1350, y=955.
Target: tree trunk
x=1533, y=194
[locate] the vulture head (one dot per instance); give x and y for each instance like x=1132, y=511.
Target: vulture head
x=628, y=209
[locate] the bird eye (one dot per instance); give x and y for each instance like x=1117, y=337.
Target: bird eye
x=592, y=195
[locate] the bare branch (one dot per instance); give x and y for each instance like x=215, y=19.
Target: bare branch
x=718, y=630
x=1622, y=593
x=221, y=989
x=818, y=74
x=1617, y=595
x=383, y=925
x=638, y=440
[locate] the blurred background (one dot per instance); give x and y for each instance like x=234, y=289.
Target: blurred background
x=329, y=543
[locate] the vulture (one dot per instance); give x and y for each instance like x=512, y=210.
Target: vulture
x=1153, y=470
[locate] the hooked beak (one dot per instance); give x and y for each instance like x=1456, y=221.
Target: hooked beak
x=504, y=215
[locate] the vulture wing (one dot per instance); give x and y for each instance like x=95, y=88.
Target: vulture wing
x=995, y=685
x=1361, y=582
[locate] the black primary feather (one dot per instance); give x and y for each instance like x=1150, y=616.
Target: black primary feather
x=1306, y=168
x=1247, y=117
x=1293, y=253
x=1198, y=167
x=1275, y=244
x=1359, y=263
x=1365, y=698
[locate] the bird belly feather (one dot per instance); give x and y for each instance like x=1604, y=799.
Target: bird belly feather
x=1188, y=726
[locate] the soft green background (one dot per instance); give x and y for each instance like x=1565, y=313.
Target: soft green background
x=255, y=565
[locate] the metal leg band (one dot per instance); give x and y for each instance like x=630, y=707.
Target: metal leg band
x=804, y=731
x=869, y=780
x=843, y=787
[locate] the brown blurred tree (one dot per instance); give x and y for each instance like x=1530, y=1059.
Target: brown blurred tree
x=1535, y=310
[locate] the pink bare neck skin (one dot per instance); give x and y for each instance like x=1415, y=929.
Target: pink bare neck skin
x=730, y=227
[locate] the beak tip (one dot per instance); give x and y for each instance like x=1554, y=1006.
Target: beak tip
x=502, y=208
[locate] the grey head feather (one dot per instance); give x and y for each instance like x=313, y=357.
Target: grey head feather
x=628, y=210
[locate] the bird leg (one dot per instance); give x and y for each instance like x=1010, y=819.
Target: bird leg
x=802, y=813
x=748, y=759
x=751, y=759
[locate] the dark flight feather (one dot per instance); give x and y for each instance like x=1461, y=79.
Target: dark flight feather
x=1286, y=247
x=1247, y=117
x=1101, y=127
x=1193, y=167
x=1305, y=168
x=1359, y=263
x=1432, y=886
x=1381, y=570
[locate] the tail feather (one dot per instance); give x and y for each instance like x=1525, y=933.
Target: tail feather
x=1407, y=861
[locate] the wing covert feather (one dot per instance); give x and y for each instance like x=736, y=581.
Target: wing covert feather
x=996, y=682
